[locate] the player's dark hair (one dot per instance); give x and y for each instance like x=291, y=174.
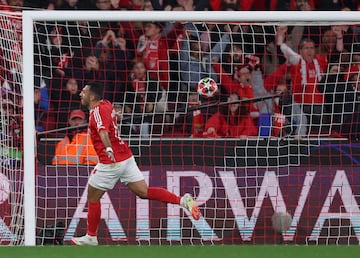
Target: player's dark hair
x=96, y=89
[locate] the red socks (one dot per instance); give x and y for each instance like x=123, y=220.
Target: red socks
x=93, y=218
x=163, y=195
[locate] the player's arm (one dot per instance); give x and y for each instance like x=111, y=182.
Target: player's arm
x=104, y=136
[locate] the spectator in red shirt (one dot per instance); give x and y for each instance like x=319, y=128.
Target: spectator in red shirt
x=240, y=82
x=13, y=6
x=306, y=71
x=144, y=98
x=153, y=49
x=232, y=120
x=116, y=162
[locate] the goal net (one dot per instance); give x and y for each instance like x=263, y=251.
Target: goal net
x=280, y=135
x=11, y=145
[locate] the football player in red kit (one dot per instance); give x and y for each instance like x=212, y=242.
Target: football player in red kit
x=116, y=162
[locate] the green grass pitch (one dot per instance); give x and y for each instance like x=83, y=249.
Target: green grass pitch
x=219, y=251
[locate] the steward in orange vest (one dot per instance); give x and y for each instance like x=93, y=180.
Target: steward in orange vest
x=75, y=149
x=75, y=152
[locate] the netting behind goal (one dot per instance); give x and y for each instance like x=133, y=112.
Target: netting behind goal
x=291, y=146
x=11, y=150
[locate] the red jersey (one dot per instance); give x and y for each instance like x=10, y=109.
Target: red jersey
x=103, y=117
x=155, y=55
x=230, y=85
x=223, y=128
x=309, y=93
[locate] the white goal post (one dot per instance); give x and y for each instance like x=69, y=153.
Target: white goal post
x=28, y=18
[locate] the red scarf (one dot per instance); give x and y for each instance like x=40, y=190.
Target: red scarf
x=278, y=122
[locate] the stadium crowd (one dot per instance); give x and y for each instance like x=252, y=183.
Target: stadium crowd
x=150, y=69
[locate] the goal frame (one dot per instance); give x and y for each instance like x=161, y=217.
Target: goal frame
x=199, y=16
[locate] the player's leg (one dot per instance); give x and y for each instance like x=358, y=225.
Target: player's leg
x=94, y=210
x=141, y=189
x=134, y=179
x=102, y=178
x=93, y=218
